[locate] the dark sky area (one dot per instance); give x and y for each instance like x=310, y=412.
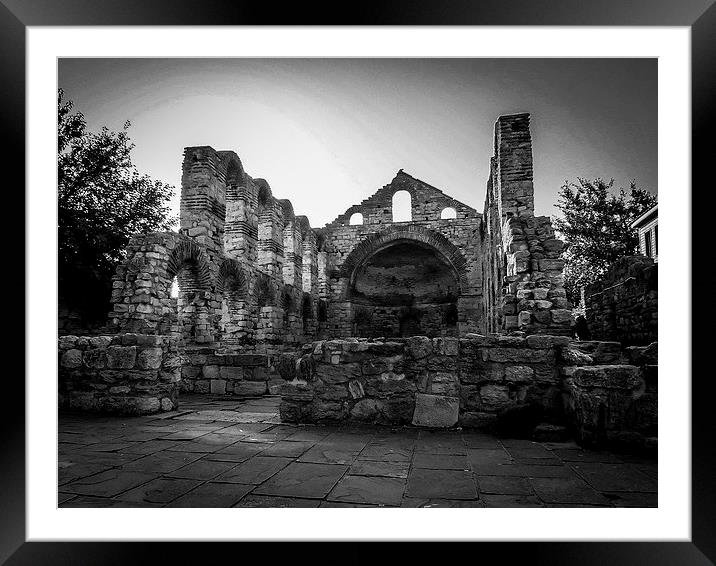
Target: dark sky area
x=327, y=133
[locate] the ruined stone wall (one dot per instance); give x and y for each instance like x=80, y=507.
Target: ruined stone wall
x=605, y=393
x=624, y=304
x=613, y=401
x=384, y=381
x=522, y=273
x=249, y=374
x=348, y=246
x=238, y=259
x=123, y=374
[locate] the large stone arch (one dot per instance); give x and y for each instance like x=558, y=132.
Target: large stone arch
x=393, y=234
x=189, y=263
x=234, y=320
x=403, y=281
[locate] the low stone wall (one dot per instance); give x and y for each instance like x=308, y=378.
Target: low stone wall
x=602, y=392
x=205, y=370
x=623, y=306
x=614, y=404
x=121, y=374
x=431, y=382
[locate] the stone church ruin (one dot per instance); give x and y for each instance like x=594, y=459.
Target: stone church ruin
x=444, y=316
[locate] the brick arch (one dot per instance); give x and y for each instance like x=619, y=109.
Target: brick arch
x=287, y=208
x=264, y=194
x=189, y=252
x=230, y=270
x=232, y=168
x=393, y=234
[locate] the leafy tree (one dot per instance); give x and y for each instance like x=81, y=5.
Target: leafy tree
x=596, y=227
x=102, y=201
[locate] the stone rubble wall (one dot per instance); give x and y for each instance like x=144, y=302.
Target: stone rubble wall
x=623, y=306
x=523, y=281
x=472, y=382
x=379, y=381
x=246, y=265
x=244, y=375
x=121, y=374
x=614, y=404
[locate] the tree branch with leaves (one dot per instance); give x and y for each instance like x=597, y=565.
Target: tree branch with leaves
x=102, y=201
x=596, y=228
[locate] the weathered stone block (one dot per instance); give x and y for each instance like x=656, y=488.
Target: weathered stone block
x=149, y=358
x=121, y=357
x=561, y=316
x=446, y=346
x=231, y=373
x=435, y=410
x=71, y=359
x=519, y=374
x=366, y=410
x=419, y=347
x=494, y=397
x=95, y=358
x=250, y=388
x=340, y=373
x=608, y=377
x=218, y=386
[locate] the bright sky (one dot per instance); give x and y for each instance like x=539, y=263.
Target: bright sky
x=327, y=133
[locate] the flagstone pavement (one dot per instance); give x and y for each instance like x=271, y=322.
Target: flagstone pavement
x=215, y=452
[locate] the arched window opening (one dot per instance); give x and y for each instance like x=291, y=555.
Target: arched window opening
x=174, y=289
x=356, y=219
x=402, y=207
x=448, y=213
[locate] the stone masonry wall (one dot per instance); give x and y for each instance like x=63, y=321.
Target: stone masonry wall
x=124, y=373
x=522, y=273
x=243, y=375
x=613, y=403
x=475, y=378
x=348, y=246
x=604, y=392
x=238, y=259
x=624, y=304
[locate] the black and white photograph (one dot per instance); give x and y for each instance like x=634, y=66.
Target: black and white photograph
x=397, y=277
x=357, y=282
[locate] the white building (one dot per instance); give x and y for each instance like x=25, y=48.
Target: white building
x=647, y=225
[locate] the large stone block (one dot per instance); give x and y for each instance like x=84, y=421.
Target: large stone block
x=149, y=358
x=250, y=388
x=338, y=373
x=95, y=358
x=494, y=397
x=435, y=410
x=71, y=359
x=121, y=357
x=608, y=377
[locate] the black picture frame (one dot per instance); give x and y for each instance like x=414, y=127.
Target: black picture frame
x=699, y=15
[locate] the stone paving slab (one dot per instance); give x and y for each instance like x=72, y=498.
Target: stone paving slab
x=213, y=495
x=202, y=470
x=384, y=469
x=255, y=471
x=220, y=452
x=307, y=480
x=441, y=484
x=369, y=490
x=160, y=490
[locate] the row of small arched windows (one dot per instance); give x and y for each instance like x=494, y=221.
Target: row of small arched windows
x=402, y=210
